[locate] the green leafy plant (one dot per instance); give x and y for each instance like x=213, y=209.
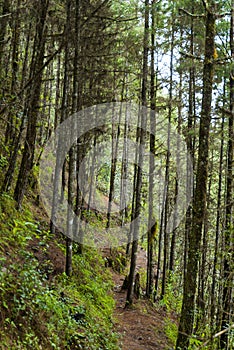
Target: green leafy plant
x=3, y=162
x=171, y=330
x=61, y=313
x=172, y=300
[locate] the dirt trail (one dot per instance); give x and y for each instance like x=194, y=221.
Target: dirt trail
x=142, y=326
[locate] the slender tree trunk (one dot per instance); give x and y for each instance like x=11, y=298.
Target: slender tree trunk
x=217, y=228
x=202, y=277
x=7, y=183
x=133, y=206
x=115, y=146
x=167, y=173
x=151, y=225
x=190, y=283
x=179, y=125
x=190, y=142
x=124, y=176
x=29, y=146
x=10, y=130
x=71, y=223
x=158, y=274
x=3, y=27
x=129, y=299
x=229, y=235
x=58, y=92
x=6, y=186
x=64, y=109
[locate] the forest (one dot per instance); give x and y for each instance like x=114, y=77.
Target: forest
x=116, y=174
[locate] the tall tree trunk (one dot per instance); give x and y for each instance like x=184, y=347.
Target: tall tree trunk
x=191, y=138
x=202, y=276
x=32, y=113
x=229, y=236
x=10, y=130
x=190, y=143
x=64, y=112
x=129, y=299
x=133, y=204
x=115, y=147
x=168, y=160
x=217, y=226
x=158, y=274
x=71, y=223
x=7, y=183
x=6, y=186
x=124, y=174
x=58, y=92
x=5, y=12
x=199, y=208
x=151, y=224
x=179, y=125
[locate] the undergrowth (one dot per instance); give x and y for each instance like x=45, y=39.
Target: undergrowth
x=42, y=310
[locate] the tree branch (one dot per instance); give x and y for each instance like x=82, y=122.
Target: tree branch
x=223, y=60
x=191, y=14
x=5, y=15
x=94, y=12
x=33, y=78
x=49, y=60
x=216, y=336
x=219, y=61
x=221, y=15
x=118, y=19
x=225, y=111
x=189, y=55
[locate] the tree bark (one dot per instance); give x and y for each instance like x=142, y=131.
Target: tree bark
x=3, y=27
x=190, y=283
x=151, y=227
x=168, y=161
x=71, y=222
x=229, y=235
x=217, y=229
x=32, y=113
x=129, y=299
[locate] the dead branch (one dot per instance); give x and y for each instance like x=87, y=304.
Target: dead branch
x=217, y=335
x=5, y=15
x=225, y=111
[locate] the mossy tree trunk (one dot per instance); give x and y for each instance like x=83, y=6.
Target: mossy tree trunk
x=32, y=112
x=228, y=235
x=199, y=207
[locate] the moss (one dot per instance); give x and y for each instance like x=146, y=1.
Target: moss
x=41, y=307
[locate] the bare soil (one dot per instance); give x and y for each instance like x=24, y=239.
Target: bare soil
x=141, y=327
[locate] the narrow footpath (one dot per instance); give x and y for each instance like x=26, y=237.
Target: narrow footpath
x=142, y=326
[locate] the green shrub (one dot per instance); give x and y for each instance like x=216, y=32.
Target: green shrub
x=61, y=313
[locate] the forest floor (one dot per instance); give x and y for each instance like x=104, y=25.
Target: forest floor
x=141, y=327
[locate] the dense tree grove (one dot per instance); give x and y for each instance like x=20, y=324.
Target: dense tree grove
x=172, y=59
